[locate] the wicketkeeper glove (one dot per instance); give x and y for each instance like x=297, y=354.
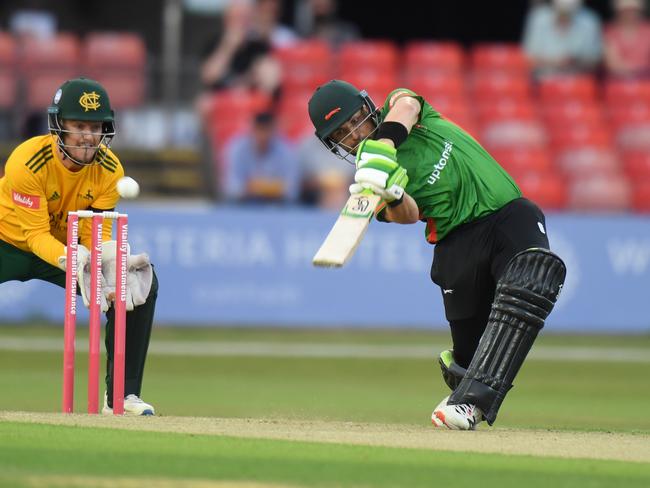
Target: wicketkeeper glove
x=83, y=276
x=378, y=170
x=139, y=276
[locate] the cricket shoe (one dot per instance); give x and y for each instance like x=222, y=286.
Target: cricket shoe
x=464, y=416
x=133, y=405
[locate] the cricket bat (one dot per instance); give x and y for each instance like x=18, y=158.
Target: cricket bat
x=348, y=230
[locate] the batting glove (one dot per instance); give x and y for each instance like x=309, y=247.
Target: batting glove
x=378, y=170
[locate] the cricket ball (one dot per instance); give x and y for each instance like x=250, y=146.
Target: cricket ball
x=127, y=187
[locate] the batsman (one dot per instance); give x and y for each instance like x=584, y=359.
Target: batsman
x=492, y=261
x=72, y=168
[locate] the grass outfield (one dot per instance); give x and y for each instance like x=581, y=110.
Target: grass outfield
x=597, y=405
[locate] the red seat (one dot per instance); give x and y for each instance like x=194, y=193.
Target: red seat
x=641, y=195
x=499, y=57
x=377, y=84
x=627, y=91
x=519, y=161
x=487, y=86
x=305, y=65
x=634, y=137
x=293, y=117
x=61, y=52
x=626, y=114
x=8, y=50
x=562, y=113
x=546, y=189
x=428, y=57
x=637, y=164
x=588, y=160
x=8, y=90
x=358, y=55
x=115, y=51
x=500, y=109
x=513, y=134
x=579, y=135
x=233, y=111
x=602, y=192
x=567, y=87
x=437, y=85
x=40, y=87
x=118, y=60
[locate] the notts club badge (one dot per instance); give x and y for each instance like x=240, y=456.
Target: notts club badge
x=89, y=101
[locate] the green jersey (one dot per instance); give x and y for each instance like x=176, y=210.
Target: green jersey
x=451, y=177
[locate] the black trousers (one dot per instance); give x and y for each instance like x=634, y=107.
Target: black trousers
x=469, y=261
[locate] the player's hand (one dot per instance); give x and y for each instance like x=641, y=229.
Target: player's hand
x=84, y=281
x=139, y=276
x=378, y=170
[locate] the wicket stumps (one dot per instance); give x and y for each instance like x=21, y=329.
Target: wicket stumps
x=119, y=344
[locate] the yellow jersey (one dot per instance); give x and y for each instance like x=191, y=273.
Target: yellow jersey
x=37, y=192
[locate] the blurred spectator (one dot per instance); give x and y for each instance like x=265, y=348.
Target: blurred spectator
x=242, y=57
x=562, y=38
x=261, y=166
x=627, y=40
x=326, y=178
x=318, y=19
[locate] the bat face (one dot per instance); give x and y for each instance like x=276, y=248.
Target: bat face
x=348, y=230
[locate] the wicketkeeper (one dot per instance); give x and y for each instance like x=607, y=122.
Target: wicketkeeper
x=498, y=278
x=72, y=168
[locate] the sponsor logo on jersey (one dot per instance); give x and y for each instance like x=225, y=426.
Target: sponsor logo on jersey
x=54, y=196
x=87, y=196
x=332, y=113
x=442, y=163
x=32, y=202
x=89, y=101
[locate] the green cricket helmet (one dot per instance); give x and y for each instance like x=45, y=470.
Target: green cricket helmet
x=333, y=104
x=81, y=99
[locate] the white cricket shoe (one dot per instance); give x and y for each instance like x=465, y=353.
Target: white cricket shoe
x=464, y=416
x=133, y=405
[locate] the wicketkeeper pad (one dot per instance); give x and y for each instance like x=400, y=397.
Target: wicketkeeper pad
x=525, y=295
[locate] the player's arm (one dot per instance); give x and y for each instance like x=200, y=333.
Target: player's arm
x=30, y=208
x=398, y=206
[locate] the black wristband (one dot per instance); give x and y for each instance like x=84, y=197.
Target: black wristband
x=394, y=131
x=397, y=202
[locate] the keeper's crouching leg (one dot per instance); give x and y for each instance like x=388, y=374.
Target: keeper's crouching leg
x=139, y=323
x=525, y=295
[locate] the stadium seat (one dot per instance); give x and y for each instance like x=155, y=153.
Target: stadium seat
x=118, y=60
x=601, y=192
x=62, y=52
x=437, y=85
x=368, y=55
x=293, y=117
x=41, y=86
x=513, y=134
x=574, y=135
x=490, y=85
x=552, y=90
x=306, y=64
x=623, y=114
x=588, y=160
x=430, y=57
x=8, y=50
x=546, y=189
x=233, y=111
x=520, y=161
x=561, y=113
x=641, y=195
x=627, y=91
x=634, y=137
x=377, y=84
x=637, y=165
x=498, y=57
x=500, y=109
